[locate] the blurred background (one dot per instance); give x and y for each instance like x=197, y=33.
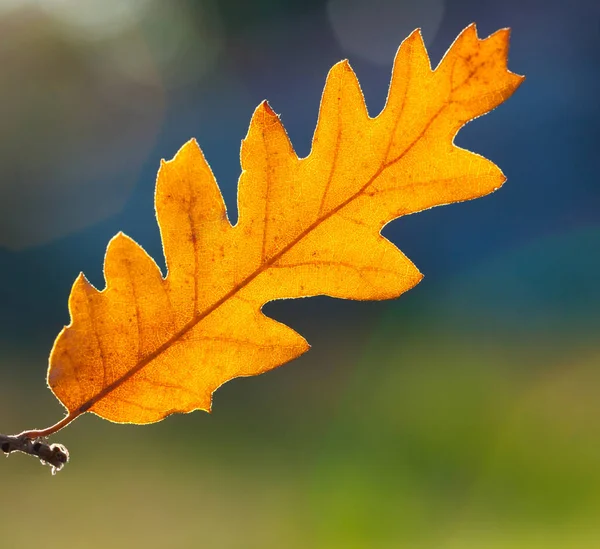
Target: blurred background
x=466, y=414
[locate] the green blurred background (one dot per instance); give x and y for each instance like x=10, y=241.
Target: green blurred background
x=463, y=415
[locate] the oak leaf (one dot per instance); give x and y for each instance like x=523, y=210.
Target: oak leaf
x=147, y=345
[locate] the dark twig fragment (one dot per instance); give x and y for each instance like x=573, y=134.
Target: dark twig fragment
x=55, y=455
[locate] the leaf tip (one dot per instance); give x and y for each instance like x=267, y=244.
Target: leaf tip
x=337, y=76
x=119, y=240
x=82, y=284
x=263, y=117
x=502, y=36
x=470, y=30
x=413, y=47
x=191, y=144
x=501, y=40
x=81, y=279
x=415, y=36
x=417, y=33
x=344, y=64
x=190, y=147
x=264, y=111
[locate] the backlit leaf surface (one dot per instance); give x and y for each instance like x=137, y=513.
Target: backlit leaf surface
x=147, y=345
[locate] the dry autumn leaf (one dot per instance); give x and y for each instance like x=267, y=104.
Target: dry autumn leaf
x=147, y=346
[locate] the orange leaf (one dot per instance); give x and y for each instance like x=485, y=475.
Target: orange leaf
x=148, y=346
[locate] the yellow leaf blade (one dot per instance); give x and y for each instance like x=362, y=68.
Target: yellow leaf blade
x=148, y=346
